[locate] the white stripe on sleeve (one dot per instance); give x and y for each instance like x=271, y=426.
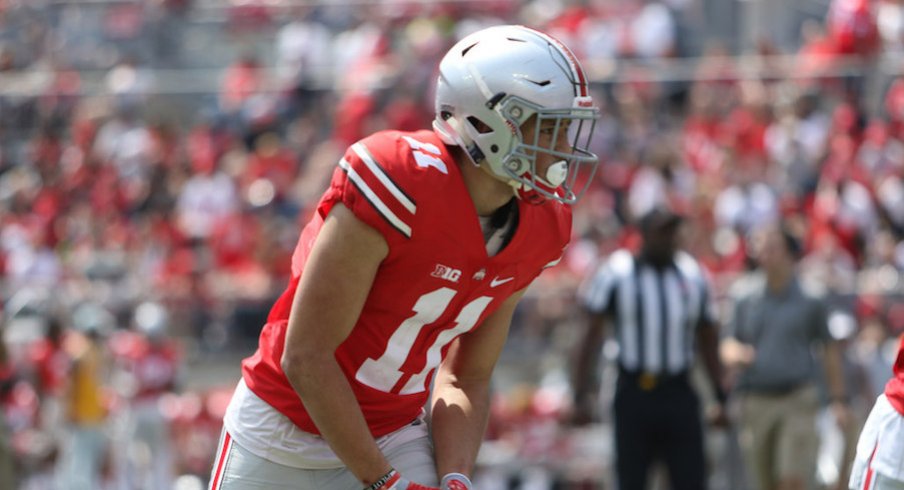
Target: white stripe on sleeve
x=553, y=263
x=374, y=199
x=598, y=293
x=378, y=172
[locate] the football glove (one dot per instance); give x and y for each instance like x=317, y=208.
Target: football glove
x=394, y=481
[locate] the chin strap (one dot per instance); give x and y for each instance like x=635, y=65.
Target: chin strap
x=528, y=194
x=526, y=188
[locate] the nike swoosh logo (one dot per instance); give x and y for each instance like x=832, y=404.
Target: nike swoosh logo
x=542, y=83
x=498, y=282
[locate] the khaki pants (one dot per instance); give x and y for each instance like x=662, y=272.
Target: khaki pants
x=8, y=480
x=778, y=436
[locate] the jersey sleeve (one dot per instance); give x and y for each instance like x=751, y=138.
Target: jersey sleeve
x=700, y=279
x=820, y=320
x=596, y=292
x=707, y=303
x=369, y=180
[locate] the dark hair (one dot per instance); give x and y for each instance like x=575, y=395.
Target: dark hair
x=792, y=241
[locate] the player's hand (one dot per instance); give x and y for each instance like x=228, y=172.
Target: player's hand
x=717, y=416
x=394, y=481
x=736, y=354
x=455, y=481
x=582, y=411
x=581, y=415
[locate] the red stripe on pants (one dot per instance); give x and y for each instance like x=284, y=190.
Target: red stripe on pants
x=224, y=453
x=869, y=469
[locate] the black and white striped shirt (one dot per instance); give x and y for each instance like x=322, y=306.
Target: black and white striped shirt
x=656, y=311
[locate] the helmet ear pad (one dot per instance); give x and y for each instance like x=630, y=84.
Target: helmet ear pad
x=516, y=165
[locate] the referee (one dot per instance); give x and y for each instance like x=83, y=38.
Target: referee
x=659, y=304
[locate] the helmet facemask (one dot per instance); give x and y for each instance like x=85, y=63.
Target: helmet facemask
x=572, y=167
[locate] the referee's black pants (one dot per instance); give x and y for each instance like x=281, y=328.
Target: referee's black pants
x=658, y=420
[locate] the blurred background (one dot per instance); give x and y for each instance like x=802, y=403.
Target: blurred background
x=159, y=157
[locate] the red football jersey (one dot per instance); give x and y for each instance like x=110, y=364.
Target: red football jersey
x=894, y=390
x=436, y=283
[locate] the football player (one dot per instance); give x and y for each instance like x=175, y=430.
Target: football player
x=404, y=283
x=879, y=464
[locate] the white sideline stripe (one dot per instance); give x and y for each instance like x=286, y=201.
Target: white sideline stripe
x=553, y=263
x=374, y=199
x=381, y=176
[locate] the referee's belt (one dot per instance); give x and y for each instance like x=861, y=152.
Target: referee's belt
x=648, y=380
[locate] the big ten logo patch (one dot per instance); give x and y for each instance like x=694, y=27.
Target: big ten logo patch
x=445, y=272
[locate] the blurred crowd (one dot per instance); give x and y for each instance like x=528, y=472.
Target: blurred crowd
x=164, y=154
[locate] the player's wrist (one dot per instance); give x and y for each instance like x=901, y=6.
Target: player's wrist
x=455, y=481
x=392, y=480
x=720, y=394
x=386, y=481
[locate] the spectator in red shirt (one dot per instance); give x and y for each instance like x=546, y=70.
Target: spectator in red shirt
x=241, y=80
x=271, y=163
x=51, y=365
x=852, y=27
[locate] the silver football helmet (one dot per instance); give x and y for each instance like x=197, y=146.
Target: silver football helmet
x=491, y=83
